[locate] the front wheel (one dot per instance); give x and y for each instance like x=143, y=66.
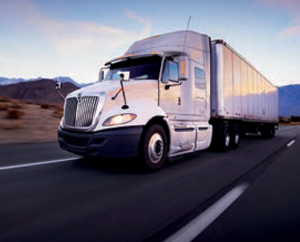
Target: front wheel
x=153, y=148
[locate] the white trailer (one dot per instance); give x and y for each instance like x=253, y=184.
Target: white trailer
x=241, y=96
x=169, y=95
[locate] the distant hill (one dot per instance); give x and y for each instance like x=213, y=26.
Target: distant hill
x=289, y=100
x=8, y=81
x=38, y=91
x=62, y=79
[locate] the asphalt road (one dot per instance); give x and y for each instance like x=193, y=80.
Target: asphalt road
x=111, y=200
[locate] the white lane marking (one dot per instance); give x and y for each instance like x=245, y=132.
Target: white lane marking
x=291, y=143
x=36, y=164
x=196, y=226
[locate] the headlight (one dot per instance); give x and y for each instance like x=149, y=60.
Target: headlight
x=119, y=119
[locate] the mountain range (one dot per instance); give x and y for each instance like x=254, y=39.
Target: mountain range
x=62, y=79
x=38, y=91
x=43, y=90
x=289, y=100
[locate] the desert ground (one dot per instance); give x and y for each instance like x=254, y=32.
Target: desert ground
x=26, y=122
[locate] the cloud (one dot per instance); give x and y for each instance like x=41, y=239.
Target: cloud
x=293, y=8
x=288, y=5
x=79, y=43
x=77, y=36
x=144, y=21
x=291, y=31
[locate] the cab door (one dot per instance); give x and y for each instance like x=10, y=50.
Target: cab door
x=183, y=132
x=169, y=89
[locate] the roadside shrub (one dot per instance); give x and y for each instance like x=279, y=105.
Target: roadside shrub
x=16, y=105
x=11, y=126
x=29, y=102
x=58, y=110
x=14, y=114
x=53, y=105
x=45, y=105
x=284, y=120
x=295, y=119
x=4, y=99
x=4, y=106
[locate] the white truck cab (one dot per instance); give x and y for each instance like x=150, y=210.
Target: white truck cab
x=154, y=102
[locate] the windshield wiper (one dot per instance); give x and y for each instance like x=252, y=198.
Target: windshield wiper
x=125, y=106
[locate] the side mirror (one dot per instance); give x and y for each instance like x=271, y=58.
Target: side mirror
x=58, y=85
x=173, y=72
x=102, y=73
x=101, y=76
x=184, y=71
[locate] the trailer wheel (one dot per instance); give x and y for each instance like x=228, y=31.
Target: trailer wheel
x=272, y=131
x=222, y=137
x=235, y=136
x=225, y=139
x=153, y=149
x=268, y=131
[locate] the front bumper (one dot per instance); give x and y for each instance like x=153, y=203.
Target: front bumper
x=119, y=142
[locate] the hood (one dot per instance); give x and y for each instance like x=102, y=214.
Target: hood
x=110, y=88
x=100, y=87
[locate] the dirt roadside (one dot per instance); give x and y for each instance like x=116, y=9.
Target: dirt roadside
x=35, y=124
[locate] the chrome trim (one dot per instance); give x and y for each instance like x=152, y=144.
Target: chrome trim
x=83, y=115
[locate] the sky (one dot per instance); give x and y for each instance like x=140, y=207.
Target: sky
x=73, y=38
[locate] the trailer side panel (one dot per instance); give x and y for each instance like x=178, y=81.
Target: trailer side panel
x=241, y=92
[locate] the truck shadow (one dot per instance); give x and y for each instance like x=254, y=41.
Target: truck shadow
x=133, y=165
x=111, y=165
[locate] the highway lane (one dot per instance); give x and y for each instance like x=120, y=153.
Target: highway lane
x=14, y=154
x=270, y=209
x=84, y=200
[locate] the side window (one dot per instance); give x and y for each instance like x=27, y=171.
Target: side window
x=170, y=72
x=200, y=79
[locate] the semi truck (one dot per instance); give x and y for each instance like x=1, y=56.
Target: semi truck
x=169, y=95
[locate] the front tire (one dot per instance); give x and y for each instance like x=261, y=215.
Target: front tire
x=153, y=148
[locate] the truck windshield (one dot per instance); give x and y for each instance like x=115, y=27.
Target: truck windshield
x=137, y=68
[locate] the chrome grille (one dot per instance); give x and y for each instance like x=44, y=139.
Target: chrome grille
x=70, y=111
x=81, y=113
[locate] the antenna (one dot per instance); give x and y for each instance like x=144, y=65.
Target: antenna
x=187, y=28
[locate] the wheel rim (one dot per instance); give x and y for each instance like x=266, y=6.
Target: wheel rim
x=237, y=139
x=156, y=148
x=227, y=140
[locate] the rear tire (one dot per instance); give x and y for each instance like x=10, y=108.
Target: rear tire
x=225, y=138
x=221, y=137
x=153, y=148
x=235, y=136
x=268, y=131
